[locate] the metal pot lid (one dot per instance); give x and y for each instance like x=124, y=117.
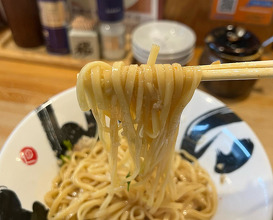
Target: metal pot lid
x=233, y=40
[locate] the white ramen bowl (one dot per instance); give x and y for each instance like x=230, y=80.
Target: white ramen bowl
x=216, y=136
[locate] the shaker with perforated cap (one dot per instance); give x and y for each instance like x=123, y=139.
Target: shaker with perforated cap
x=112, y=29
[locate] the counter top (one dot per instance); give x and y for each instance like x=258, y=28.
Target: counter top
x=26, y=85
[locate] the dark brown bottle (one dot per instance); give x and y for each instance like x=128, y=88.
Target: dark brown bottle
x=24, y=22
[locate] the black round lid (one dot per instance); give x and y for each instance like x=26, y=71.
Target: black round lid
x=233, y=40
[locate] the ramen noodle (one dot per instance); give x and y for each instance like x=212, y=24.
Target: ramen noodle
x=133, y=171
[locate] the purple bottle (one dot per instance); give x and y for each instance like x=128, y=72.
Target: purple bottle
x=54, y=19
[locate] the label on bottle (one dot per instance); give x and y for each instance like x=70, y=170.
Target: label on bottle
x=113, y=42
x=54, y=21
x=53, y=14
x=56, y=40
x=113, y=46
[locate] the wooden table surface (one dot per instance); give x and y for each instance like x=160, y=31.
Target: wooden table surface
x=25, y=85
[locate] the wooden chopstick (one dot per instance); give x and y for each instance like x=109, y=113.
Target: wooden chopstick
x=237, y=71
x=237, y=74
x=239, y=65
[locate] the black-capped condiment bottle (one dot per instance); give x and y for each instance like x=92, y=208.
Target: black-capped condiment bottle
x=230, y=44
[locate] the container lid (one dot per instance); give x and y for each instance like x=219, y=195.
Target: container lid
x=233, y=40
x=109, y=10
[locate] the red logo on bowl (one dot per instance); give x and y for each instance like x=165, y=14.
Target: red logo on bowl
x=29, y=155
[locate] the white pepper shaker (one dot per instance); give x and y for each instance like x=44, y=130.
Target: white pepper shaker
x=83, y=38
x=111, y=29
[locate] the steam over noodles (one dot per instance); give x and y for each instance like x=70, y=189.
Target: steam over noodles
x=133, y=171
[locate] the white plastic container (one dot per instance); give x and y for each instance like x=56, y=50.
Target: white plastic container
x=176, y=41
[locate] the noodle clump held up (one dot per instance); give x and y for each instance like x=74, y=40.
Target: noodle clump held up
x=133, y=171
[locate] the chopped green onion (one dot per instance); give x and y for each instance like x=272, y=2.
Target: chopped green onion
x=128, y=182
x=64, y=158
x=67, y=144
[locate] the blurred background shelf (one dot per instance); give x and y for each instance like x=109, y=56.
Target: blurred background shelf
x=9, y=50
